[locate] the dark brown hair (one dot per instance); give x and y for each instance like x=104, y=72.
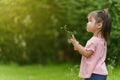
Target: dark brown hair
x=104, y=17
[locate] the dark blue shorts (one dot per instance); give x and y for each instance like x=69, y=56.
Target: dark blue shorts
x=97, y=77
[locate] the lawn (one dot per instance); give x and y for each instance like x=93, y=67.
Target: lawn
x=48, y=72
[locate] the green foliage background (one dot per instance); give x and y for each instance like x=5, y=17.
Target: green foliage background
x=30, y=31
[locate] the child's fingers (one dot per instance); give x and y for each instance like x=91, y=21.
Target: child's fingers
x=69, y=41
x=73, y=36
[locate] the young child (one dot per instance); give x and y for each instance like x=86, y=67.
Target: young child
x=93, y=65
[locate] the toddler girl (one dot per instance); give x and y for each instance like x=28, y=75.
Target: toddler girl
x=93, y=65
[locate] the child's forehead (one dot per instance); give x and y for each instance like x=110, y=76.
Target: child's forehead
x=92, y=15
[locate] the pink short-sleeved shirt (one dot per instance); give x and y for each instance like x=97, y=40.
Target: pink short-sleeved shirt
x=96, y=62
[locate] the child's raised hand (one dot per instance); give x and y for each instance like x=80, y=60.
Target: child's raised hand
x=70, y=40
x=74, y=42
x=73, y=39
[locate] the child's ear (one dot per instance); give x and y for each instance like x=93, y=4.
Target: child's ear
x=99, y=25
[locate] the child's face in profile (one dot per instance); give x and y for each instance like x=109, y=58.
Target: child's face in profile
x=91, y=25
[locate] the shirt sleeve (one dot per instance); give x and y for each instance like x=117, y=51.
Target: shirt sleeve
x=90, y=46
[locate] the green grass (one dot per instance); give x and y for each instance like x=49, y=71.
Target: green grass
x=48, y=72
x=33, y=72
x=114, y=73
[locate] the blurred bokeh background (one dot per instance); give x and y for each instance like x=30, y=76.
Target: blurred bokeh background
x=30, y=30
x=34, y=46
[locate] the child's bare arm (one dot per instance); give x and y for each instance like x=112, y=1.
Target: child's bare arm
x=80, y=48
